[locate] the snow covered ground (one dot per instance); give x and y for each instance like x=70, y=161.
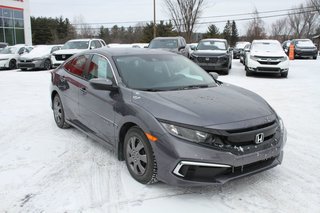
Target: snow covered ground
x=46, y=169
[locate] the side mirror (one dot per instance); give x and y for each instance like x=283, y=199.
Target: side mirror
x=102, y=84
x=247, y=50
x=214, y=75
x=181, y=48
x=193, y=48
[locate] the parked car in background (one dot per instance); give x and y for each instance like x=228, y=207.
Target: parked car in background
x=10, y=55
x=172, y=44
x=191, y=48
x=286, y=46
x=3, y=45
x=74, y=46
x=167, y=118
x=243, y=53
x=213, y=55
x=38, y=58
x=267, y=56
x=238, y=48
x=304, y=48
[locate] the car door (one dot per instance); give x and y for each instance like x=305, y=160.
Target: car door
x=70, y=85
x=96, y=107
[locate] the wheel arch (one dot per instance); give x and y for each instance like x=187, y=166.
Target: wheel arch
x=121, y=135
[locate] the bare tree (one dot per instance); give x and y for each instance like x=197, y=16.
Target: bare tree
x=185, y=15
x=256, y=29
x=83, y=29
x=303, y=21
x=280, y=30
x=315, y=4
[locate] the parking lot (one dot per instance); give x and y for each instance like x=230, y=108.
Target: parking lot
x=47, y=169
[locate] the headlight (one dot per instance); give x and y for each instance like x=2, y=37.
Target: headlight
x=283, y=130
x=284, y=58
x=253, y=58
x=187, y=134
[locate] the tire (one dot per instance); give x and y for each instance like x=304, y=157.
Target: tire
x=248, y=72
x=12, y=64
x=225, y=72
x=23, y=69
x=47, y=64
x=230, y=66
x=315, y=57
x=58, y=113
x=284, y=74
x=139, y=156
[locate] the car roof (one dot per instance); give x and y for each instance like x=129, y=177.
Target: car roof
x=172, y=37
x=84, y=39
x=266, y=40
x=129, y=51
x=214, y=39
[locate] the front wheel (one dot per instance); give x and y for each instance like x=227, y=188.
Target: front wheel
x=284, y=74
x=12, y=64
x=139, y=156
x=58, y=113
x=47, y=64
x=315, y=57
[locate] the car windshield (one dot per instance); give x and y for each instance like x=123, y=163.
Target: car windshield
x=212, y=45
x=76, y=45
x=161, y=72
x=266, y=46
x=241, y=45
x=305, y=43
x=9, y=50
x=41, y=50
x=164, y=43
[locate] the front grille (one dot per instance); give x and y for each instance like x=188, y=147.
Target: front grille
x=62, y=57
x=269, y=62
x=269, y=69
x=242, y=141
x=26, y=61
x=26, y=65
x=207, y=59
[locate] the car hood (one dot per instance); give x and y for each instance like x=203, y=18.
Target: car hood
x=204, y=107
x=279, y=53
x=68, y=51
x=209, y=52
x=32, y=56
x=7, y=56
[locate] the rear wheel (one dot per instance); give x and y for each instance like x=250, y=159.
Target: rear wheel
x=139, y=156
x=58, y=113
x=12, y=64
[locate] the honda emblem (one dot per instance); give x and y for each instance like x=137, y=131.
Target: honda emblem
x=259, y=138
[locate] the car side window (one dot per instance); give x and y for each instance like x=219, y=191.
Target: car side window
x=99, y=68
x=97, y=43
x=21, y=50
x=77, y=65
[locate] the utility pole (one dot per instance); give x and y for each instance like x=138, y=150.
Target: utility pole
x=154, y=19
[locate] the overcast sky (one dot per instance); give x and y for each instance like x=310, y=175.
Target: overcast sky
x=119, y=11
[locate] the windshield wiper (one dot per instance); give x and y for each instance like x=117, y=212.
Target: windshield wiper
x=194, y=86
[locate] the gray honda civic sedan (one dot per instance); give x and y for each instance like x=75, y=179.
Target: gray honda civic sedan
x=166, y=117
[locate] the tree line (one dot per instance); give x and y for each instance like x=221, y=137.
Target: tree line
x=301, y=22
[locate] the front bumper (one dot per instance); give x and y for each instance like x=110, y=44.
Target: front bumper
x=190, y=164
x=217, y=66
x=31, y=65
x=255, y=66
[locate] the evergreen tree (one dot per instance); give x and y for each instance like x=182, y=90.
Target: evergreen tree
x=212, y=32
x=227, y=31
x=234, y=34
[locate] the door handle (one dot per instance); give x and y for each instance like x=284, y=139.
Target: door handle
x=83, y=90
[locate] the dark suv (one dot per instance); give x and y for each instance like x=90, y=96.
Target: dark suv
x=213, y=55
x=166, y=117
x=172, y=44
x=304, y=48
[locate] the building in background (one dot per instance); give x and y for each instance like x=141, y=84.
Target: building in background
x=15, y=24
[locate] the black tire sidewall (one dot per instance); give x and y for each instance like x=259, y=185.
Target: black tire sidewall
x=47, y=61
x=12, y=61
x=62, y=123
x=147, y=176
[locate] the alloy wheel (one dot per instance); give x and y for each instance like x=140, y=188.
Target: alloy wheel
x=57, y=110
x=136, y=155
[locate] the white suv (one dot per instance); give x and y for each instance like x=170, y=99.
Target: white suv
x=74, y=46
x=267, y=56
